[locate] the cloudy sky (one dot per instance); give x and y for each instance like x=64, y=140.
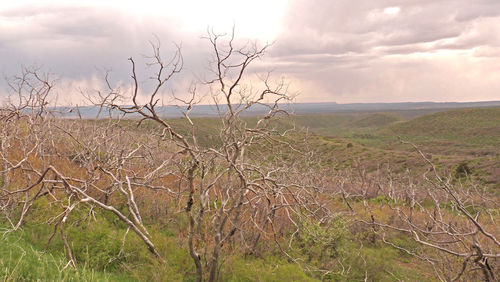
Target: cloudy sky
x=329, y=50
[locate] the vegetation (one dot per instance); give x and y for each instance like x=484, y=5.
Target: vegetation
x=242, y=198
x=450, y=138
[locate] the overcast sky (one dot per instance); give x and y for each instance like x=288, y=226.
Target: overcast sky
x=329, y=50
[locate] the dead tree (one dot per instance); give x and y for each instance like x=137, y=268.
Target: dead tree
x=249, y=185
x=69, y=163
x=454, y=223
x=235, y=187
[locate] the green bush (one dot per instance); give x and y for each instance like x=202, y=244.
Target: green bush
x=462, y=170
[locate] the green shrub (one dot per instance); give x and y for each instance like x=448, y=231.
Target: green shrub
x=462, y=170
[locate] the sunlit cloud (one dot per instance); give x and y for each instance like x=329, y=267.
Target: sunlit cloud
x=344, y=51
x=392, y=10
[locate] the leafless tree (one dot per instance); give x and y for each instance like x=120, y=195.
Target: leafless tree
x=68, y=162
x=236, y=187
x=242, y=187
x=452, y=221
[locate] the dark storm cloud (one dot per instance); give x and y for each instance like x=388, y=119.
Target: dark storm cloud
x=79, y=44
x=53, y=35
x=52, y=23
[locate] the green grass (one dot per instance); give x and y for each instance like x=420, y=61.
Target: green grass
x=22, y=261
x=22, y=257
x=267, y=269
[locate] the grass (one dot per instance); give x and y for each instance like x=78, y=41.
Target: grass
x=22, y=261
x=474, y=131
x=22, y=257
x=268, y=269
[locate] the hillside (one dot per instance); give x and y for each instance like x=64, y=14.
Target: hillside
x=479, y=127
x=452, y=136
x=449, y=137
x=347, y=123
x=476, y=129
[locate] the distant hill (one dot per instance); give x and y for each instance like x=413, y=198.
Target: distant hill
x=332, y=123
x=479, y=126
x=309, y=108
x=449, y=131
x=376, y=120
x=409, y=110
x=449, y=137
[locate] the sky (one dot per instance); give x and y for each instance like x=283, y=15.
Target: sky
x=345, y=51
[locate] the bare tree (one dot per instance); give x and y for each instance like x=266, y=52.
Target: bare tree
x=232, y=184
x=242, y=187
x=452, y=222
x=65, y=161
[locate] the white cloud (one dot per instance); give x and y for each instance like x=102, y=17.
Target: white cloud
x=392, y=10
